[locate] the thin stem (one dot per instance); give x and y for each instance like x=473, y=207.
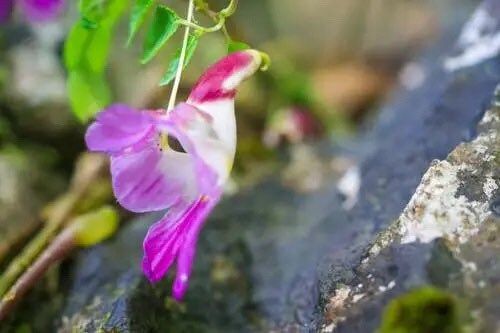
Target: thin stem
x=226, y=33
x=81, y=183
x=182, y=57
x=217, y=27
x=60, y=247
x=24, y=260
x=230, y=9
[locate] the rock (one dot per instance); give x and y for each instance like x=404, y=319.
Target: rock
x=449, y=229
x=274, y=259
x=444, y=237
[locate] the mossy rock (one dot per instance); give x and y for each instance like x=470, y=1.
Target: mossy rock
x=423, y=310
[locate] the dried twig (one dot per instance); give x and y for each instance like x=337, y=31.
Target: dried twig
x=57, y=250
x=88, y=169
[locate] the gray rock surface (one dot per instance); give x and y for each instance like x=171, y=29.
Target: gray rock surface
x=447, y=236
x=271, y=258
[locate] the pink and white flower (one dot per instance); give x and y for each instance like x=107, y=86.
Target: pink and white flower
x=148, y=174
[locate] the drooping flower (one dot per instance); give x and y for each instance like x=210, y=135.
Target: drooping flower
x=34, y=10
x=150, y=174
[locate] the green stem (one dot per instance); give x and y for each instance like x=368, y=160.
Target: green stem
x=195, y=26
x=230, y=9
x=219, y=18
x=31, y=251
x=182, y=56
x=58, y=249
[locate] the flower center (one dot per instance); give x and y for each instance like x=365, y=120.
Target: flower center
x=168, y=142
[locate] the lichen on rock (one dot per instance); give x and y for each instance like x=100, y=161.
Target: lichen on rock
x=454, y=195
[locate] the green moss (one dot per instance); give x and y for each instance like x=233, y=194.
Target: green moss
x=423, y=310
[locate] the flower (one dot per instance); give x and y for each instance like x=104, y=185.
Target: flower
x=149, y=174
x=34, y=10
x=294, y=124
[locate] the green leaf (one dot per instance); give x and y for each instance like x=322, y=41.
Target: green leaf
x=86, y=53
x=75, y=46
x=139, y=11
x=192, y=43
x=114, y=10
x=91, y=11
x=85, y=6
x=95, y=227
x=234, y=46
x=88, y=93
x=88, y=23
x=164, y=25
x=96, y=55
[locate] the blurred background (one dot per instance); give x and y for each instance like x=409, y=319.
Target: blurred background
x=334, y=63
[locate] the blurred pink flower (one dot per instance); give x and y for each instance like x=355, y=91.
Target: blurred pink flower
x=34, y=10
x=294, y=124
x=148, y=174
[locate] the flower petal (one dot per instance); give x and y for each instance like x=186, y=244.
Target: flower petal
x=221, y=79
x=42, y=10
x=214, y=92
x=175, y=236
x=117, y=128
x=211, y=157
x=6, y=7
x=150, y=179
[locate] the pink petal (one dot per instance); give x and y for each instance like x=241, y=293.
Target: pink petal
x=175, y=236
x=6, y=7
x=117, y=128
x=42, y=10
x=221, y=79
x=151, y=180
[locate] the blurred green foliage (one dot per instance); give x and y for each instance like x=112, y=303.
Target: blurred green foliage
x=86, y=53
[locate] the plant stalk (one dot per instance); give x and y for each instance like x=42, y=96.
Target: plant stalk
x=177, y=80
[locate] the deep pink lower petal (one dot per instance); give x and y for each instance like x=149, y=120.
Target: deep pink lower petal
x=42, y=10
x=175, y=236
x=163, y=241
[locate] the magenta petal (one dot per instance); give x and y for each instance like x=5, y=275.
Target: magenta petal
x=42, y=10
x=117, y=128
x=163, y=241
x=210, y=86
x=6, y=7
x=151, y=180
x=175, y=236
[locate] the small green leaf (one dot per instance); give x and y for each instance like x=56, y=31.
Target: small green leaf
x=85, y=6
x=88, y=23
x=114, y=10
x=234, y=46
x=97, y=51
x=164, y=25
x=74, y=46
x=86, y=53
x=139, y=11
x=95, y=227
x=91, y=12
x=88, y=93
x=192, y=43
